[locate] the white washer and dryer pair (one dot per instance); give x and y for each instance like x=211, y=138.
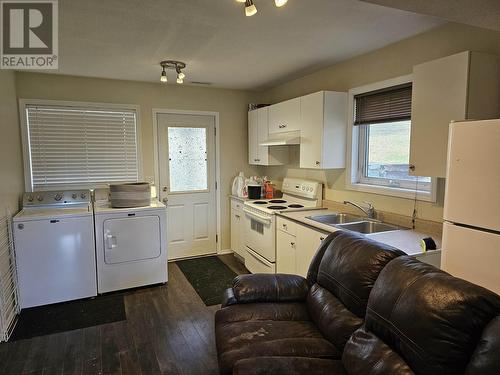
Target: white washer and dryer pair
x=131, y=246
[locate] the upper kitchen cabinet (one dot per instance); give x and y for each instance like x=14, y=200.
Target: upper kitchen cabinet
x=284, y=116
x=258, y=133
x=458, y=87
x=323, y=130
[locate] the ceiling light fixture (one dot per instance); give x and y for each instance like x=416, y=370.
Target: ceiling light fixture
x=250, y=8
x=174, y=65
x=280, y=3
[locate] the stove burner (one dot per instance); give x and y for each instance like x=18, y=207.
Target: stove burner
x=277, y=201
x=295, y=206
x=259, y=202
x=277, y=207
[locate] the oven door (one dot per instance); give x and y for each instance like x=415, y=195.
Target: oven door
x=260, y=235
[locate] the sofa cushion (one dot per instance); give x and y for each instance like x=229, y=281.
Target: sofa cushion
x=365, y=353
x=288, y=366
x=486, y=357
x=433, y=320
x=350, y=266
x=331, y=317
x=255, y=338
x=262, y=311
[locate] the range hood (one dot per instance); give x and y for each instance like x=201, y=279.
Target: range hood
x=282, y=139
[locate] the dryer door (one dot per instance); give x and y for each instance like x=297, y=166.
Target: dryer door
x=129, y=239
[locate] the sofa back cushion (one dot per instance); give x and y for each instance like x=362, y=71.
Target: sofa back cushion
x=344, y=271
x=349, y=267
x=486, y=357
x=431, y=319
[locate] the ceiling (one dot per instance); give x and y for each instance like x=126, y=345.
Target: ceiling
x=126, y=39
x=481, y=13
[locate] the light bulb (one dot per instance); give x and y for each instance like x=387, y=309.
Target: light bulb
x=163, y=77
x=280, y=3
x=250, y=8
x=181, y=75
x=180, y=81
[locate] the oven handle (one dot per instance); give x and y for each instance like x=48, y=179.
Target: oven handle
x=256, y=216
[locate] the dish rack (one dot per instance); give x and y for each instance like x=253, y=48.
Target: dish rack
x=9, y=301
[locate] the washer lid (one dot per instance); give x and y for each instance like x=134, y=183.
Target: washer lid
x=50, y=213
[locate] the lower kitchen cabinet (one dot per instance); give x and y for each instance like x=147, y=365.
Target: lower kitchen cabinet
x=308, y=241
x=237, y=228
x=294, y=252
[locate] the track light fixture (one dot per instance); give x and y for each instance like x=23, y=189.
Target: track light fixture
x=174, y=65
x=251, y=9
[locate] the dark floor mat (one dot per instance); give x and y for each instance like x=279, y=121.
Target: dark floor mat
x=209, y=276
x=67, y=316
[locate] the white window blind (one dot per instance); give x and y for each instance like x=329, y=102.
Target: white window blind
x=81, y=145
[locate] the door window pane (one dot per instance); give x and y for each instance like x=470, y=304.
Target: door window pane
x=187, y=152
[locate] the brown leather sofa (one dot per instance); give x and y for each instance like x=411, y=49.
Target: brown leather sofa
x=365, y=308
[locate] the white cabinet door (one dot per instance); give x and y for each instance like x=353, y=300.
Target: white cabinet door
x=308, y=241
x=285, y=253
x=237, y=233
x=439, y=95
x=262, y=134
x=253, y=137
x=284, y=116
x=311, y=135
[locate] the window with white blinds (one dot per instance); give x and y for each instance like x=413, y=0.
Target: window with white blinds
x=84, y=146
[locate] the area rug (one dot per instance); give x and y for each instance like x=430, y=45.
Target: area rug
x=209, y=276
x=68, y=316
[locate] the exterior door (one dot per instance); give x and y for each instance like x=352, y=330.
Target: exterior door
x=186, y=146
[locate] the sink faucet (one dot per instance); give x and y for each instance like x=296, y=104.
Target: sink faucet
x=370, y=212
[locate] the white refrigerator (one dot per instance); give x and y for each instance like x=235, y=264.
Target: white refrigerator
x=471, y=232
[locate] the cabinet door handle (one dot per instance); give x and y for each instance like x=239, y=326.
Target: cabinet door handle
x=292, y=243
x=321, y=238
x=285, y=226
x=237, y=216
x=318, y=163
x=411, y=167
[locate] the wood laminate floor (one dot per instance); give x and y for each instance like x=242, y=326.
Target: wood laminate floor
x=168, y=330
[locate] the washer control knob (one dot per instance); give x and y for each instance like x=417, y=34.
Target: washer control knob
x=58, y=197
x=74, y=195
x=39, y=198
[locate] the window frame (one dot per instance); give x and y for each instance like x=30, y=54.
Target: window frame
x=24, y=103
x=356, y=137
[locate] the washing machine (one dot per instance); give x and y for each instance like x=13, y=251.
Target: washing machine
x=55, y=248
x=131, y=246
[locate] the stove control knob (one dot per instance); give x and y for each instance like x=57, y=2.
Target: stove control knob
x=83, y=195
x=74, y=196
x=58, y=197
x=30, y=198
x=39, y=198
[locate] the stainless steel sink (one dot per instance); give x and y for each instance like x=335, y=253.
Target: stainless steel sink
x=368, y=227
x=336, y=218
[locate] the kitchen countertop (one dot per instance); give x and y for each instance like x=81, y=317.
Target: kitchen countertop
x=407, y=240
x=242, y=199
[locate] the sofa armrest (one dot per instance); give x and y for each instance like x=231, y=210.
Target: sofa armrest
x=228, y=298
x=288, y=365
x=268, y=288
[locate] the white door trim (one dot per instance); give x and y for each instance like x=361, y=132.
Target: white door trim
x=156, y=112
